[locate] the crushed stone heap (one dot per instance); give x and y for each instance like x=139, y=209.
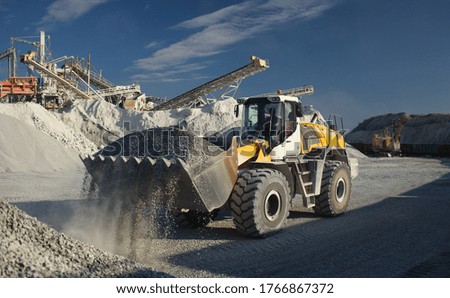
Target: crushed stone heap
x=29, y=248
x=103, y=122
x=38, y=117
x=26, y=149
x=166, y=142
x=152, y=166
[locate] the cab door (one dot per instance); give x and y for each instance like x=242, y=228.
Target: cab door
x=292, y=129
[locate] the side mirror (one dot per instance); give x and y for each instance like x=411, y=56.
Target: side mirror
x=236, y=111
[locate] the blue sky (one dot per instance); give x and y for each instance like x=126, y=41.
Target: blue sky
x=364, y=57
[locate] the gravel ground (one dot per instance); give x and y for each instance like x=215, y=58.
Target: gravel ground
x=397, y=225
x=397, y=222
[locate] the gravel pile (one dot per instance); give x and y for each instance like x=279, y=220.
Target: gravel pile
x=427, y=129
x=168, y=142
x=380, y=122
x=155, y=186
x=29, y=248
x=23, y=148
x=70, y=138
x=38, y=117
x=103, y=122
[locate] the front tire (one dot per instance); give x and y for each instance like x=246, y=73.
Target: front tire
x=335, y=190
x=260, y=202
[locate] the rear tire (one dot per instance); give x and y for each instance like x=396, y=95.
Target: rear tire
x=335, y=190
x=260, y=202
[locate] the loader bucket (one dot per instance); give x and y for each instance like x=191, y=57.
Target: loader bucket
x=214, y=180
x=203, y=186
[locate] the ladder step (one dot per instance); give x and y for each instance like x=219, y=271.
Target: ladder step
x=305, y=173
x=311, y=202
x=307, y=183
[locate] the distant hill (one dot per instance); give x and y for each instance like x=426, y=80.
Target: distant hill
x=421, y=134
x=418, y=129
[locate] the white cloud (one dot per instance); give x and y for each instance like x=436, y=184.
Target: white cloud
x=219, y=30
x=177, y=73
x=215, y=17
x=153, y=44
x=68, y=10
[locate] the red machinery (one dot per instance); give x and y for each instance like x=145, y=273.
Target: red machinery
x=19, y=87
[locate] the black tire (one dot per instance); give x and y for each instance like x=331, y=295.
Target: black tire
x=193, y=218
x=260, y=202
x=335, y=190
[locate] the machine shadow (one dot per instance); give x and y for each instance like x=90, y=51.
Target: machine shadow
x=382, y=245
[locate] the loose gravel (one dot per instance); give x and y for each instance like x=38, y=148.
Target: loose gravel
x=151, y=185
x=165, y=142
x=29, y=248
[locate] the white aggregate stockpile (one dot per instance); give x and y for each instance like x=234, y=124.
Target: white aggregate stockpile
x=25, y=149
x=39, y=118
x=36, y=140
x=103, y=122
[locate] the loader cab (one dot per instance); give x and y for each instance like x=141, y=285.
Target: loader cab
x=273, y=119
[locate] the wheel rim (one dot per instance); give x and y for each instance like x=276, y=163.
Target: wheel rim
x=341, y=190
x=272, y=205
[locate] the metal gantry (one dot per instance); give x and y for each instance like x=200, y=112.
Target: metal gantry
x=11, y=55
x=77, y=78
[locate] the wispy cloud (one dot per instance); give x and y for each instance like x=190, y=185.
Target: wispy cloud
x=153, y=44
x=218, y=16
x=219, y=30
x=174, y=74
x=68, y=10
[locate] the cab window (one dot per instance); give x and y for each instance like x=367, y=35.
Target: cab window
x=290, y=118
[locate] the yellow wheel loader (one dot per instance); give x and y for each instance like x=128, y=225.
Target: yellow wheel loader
x=277, y=156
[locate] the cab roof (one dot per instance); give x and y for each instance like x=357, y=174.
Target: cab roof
x=271, y=98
